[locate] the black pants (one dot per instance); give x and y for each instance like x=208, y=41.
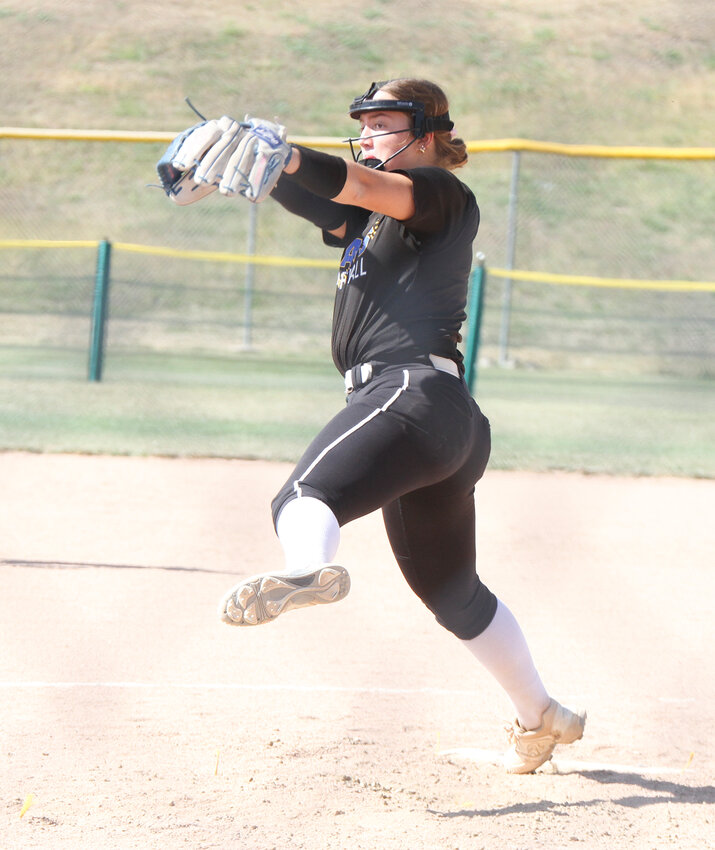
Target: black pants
x=413, y=442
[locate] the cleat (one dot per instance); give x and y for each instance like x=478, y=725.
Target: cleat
x=262, y=598
x=530, y=749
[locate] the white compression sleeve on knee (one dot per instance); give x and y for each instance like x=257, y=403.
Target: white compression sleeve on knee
x=308, y=532
x=503, y=650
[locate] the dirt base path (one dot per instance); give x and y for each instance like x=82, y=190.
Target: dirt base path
x=132, y=718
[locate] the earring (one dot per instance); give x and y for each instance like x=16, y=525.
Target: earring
x=422, y=148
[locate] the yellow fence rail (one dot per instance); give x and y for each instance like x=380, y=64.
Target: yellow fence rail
x=508, y=274
x=611, y=282
x=300, y=262
x=481, y=146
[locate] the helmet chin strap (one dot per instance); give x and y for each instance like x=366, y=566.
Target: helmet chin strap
x=373, y=162
x=421, y=123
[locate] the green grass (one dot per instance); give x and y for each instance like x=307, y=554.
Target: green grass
x=151, y=404
x=610, y=424
x=605, y=73
x=260, y=407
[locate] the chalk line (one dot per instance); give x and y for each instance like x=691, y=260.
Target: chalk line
x=241, y=686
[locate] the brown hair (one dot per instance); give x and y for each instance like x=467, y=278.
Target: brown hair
x=451, y=151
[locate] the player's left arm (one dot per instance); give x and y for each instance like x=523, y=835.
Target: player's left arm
x=249, y=157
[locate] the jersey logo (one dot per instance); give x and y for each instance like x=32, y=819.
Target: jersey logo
x=351, y=264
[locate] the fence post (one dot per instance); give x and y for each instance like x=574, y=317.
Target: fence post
x=250, y=276
x=99, y=310
x=476, y=308
x=510, y=258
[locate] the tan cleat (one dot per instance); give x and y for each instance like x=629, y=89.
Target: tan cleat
x=262, y=598
x=529, y=750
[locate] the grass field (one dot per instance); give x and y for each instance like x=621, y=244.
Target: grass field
x=258, y=407
x=178, y=380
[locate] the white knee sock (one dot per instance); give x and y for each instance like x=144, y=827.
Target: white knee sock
x=502, y=649
x=308, y=532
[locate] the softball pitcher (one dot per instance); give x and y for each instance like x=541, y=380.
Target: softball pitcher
x=410, y=440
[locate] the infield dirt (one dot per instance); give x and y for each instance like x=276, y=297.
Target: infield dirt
x=132, y=718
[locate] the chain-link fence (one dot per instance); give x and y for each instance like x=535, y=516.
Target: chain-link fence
x=650, y=220
x=237, y=282
x=642, y=229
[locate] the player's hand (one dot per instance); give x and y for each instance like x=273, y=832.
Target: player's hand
x=257, y=161
x=208, y=147
x=192, y=166
x=238, y=158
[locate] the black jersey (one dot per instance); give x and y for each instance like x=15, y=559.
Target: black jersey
x=402, y=285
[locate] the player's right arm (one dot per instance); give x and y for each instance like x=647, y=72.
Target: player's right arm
x=386, y=192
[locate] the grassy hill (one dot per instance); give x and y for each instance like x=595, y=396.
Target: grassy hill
x=571, y=71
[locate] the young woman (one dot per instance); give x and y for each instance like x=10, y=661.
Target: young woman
x=410, y=440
